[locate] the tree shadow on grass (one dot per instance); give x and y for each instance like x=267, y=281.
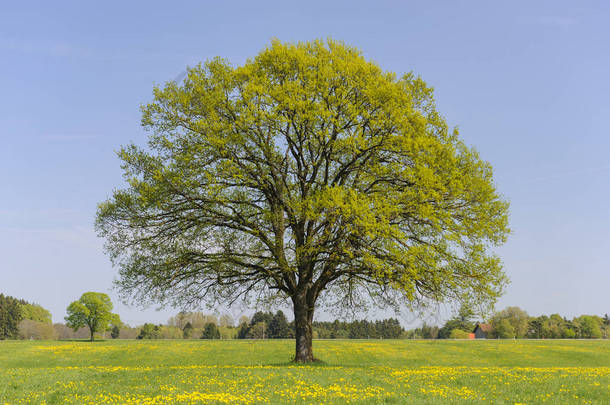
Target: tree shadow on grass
x=292, y=363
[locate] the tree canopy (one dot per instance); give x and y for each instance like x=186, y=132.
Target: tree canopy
x=511, y=322
x=307, y=174
x=35, y=312
x=92, y=310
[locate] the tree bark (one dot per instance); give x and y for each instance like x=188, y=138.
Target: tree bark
x=91, y=330
x=303, y=316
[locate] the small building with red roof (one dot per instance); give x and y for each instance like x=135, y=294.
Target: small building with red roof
x=483, y=331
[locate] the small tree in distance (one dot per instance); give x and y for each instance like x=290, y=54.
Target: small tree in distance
x=187, y=331
x=516, y=324
x=92, y=310
x=150, y=331
x=210, y=331
x=279, y=327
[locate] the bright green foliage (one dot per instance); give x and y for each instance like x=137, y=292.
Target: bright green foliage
x=92, y=310
x=548, y=327
x=503, y=329
x=589, y=327
x=459, y=334
x=35, y=313
x=306, y=170
x=516, y=318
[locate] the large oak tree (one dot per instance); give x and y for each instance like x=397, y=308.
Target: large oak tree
x=307, y=174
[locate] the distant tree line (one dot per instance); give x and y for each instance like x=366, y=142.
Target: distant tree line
x=264, y=325
x=276, y=326
x=511, y=322
x=359, y=329
x=20, y=319
x=515, y=323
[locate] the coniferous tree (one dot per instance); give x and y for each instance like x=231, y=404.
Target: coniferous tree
x=242, y=331
x=279, y=327
x=10, y=316
x=210, y=331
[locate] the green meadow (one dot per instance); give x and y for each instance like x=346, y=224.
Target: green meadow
x=349, y=371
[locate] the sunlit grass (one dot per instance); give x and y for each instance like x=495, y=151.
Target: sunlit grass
x=250, y=372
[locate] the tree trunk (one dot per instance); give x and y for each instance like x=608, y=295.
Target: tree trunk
x=303, y=316
x=91, y=330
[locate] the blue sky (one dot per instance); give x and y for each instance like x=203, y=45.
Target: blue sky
x=525, y=82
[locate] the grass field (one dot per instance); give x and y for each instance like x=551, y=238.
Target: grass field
x=250, y=372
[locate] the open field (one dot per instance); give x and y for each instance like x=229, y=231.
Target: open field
x=247, y=372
